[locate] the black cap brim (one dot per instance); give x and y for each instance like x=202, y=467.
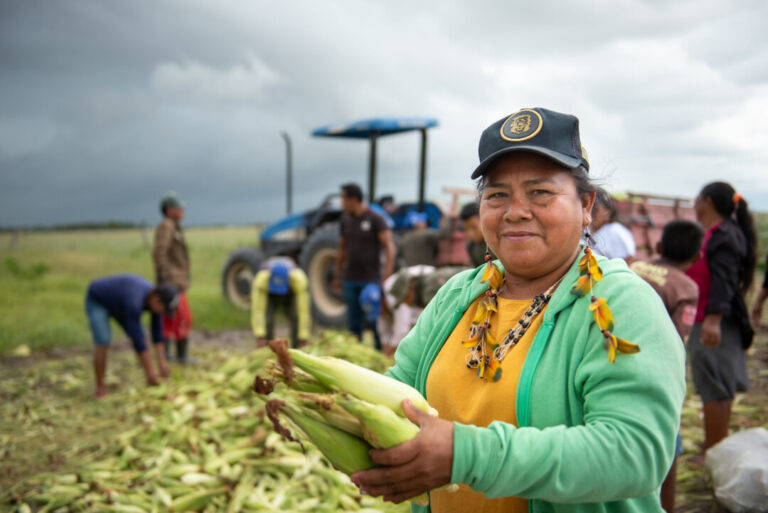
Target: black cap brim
x=564, y=160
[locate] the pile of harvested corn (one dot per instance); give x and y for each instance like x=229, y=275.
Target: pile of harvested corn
x=199, y=446
x=49, y=422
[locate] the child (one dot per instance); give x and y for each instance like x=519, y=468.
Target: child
x=680, y=248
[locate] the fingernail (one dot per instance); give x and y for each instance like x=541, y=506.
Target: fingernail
x=408, y=402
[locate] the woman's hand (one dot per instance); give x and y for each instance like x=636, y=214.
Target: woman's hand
x=710, y=330
x=413, y=467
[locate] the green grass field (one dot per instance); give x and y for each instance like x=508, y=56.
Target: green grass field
x=44, y=276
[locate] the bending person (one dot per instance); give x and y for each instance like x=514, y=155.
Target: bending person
x=125, y=297
x=280, y=284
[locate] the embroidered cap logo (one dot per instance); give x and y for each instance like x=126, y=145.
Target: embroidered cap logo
x=521, y=126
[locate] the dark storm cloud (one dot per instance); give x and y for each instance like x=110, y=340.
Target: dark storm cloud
x=105, y=105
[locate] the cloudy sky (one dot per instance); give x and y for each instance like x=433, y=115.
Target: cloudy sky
x=107, y=104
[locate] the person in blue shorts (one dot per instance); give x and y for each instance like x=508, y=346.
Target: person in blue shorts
x=125, y=297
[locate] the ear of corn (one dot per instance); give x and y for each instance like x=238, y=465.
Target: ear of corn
x=382, y=428
x=241, y=492
x=332, y=413
x=196, y=500
x=366, y=384
x=306, y=383
x=346, y=452
x=196, y=478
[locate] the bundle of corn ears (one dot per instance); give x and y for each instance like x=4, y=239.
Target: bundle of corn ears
x=341, y=408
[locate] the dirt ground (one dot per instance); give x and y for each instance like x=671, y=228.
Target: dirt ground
x=694, y=489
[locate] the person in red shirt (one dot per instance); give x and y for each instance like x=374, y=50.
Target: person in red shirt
x=171, y=261
x=722, y=331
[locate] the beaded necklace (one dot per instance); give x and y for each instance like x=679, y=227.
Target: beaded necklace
x=480, y=339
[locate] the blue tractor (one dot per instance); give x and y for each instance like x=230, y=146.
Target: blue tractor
x=311, y=238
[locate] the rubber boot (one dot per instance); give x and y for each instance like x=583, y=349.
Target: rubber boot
x=181, y=352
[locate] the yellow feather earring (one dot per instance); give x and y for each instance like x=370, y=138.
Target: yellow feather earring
x=590, y=274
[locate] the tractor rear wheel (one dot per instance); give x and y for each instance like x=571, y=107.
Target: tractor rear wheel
x=237, y=278
x=318, y=258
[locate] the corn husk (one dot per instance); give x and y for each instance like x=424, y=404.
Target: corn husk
x=345, y=451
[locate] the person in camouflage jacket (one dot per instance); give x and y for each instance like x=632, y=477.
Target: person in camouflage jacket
x=171, y=260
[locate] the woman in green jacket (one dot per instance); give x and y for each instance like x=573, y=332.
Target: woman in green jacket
x=558, y=376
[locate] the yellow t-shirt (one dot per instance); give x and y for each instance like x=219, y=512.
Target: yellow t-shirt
x=459, y=395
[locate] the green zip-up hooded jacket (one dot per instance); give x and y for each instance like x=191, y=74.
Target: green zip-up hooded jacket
x=593, y=436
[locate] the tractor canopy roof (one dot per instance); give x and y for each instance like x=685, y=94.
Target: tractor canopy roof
x=363, y=129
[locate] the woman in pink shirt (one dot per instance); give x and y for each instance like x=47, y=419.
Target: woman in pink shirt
x=722, y=331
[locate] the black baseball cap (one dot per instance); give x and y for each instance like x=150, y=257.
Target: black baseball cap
x=552, y=134
x=169, y=295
